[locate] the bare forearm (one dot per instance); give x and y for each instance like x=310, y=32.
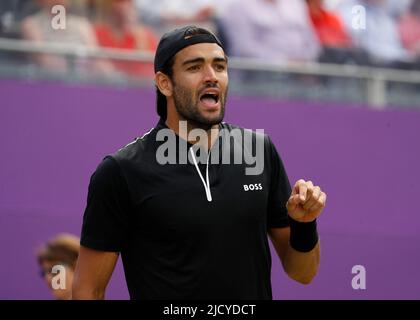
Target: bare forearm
x=87, y=294
x=298, y=244
x=302, y=266
x=92, y=274
x=83, y=290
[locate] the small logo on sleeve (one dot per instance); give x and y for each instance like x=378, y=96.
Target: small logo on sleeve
x=253, y=187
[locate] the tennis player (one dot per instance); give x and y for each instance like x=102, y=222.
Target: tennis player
x=188, y=223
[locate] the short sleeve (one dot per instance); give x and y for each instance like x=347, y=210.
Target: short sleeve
x=279, y=189
x=105, y=220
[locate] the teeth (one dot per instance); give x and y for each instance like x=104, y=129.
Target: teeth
x=210, y=94
x=215, y=96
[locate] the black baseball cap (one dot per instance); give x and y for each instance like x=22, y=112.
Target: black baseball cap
x=176, y=40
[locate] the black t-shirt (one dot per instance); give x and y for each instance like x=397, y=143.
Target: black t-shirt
x=174, y=242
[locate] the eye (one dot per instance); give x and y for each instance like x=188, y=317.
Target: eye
x=194, y=68
x=220, y=67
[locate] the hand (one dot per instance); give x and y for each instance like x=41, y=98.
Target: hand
x=306, y=201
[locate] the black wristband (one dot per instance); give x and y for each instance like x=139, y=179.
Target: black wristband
x=303, y=235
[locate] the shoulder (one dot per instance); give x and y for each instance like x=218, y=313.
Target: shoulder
x=255, y=143
x=253, y=140
x=114, y=164
x=256, y=135
x=135, y=151
x=115, y=172
x=106, y=176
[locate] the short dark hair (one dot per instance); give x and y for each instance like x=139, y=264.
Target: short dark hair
x=63, y=248
x=161, y=102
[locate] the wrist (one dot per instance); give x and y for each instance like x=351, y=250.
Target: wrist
x=303, y=235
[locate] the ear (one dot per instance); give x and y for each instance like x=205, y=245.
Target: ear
x=164, y=84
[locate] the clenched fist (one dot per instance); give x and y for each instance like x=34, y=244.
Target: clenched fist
x=306, y=201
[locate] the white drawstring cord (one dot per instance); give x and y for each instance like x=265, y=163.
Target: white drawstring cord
x=206, y=183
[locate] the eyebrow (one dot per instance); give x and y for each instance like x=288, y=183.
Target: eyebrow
x=201, y=60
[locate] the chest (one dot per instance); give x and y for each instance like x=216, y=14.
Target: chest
x=172, y=199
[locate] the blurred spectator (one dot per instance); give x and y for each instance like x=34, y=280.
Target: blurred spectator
x=337, y=46
x=270, y=29
x=77, y=31
x=409, y=27
x=328, y=26
x=120, y=28
x=166, y=15
x=397, y=8
x=61, y=250
x=331, y=5
x=379, y=38
x=11, y=14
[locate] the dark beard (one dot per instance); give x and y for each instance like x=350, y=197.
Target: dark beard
x=187, y=108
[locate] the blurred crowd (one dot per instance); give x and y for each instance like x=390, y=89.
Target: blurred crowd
x=384, y=33
x=62, y=251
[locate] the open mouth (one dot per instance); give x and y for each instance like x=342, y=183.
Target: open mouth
x=210, y=99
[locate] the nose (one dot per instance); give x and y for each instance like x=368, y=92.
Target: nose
x=210, y=74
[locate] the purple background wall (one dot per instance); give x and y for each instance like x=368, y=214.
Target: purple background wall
x=53, y=136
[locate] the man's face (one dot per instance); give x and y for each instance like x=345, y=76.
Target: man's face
x=200, y=83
